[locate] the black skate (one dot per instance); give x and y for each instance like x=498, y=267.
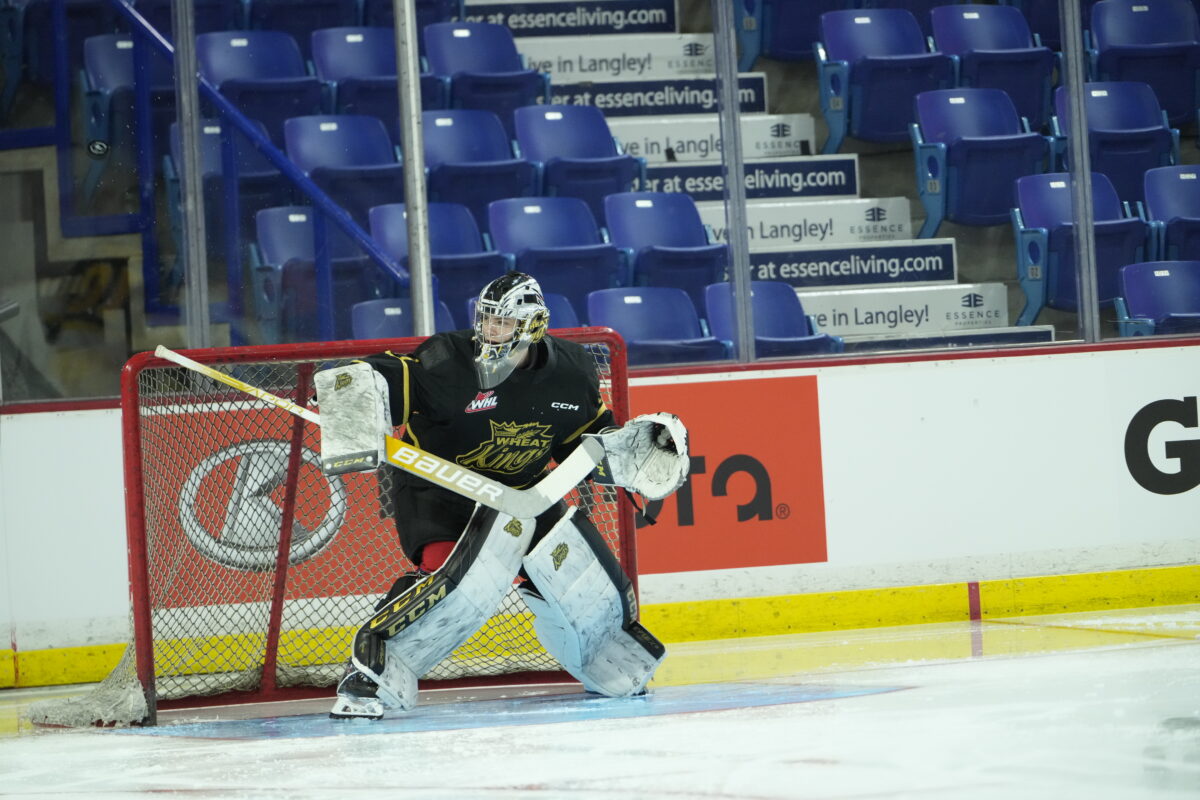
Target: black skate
x=357, y=698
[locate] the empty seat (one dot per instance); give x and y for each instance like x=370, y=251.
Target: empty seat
x=1127, y=132
x=659, y=325
x=380, y=13
x=918, y=8
x=286, y=291
x=969, y=144
x=392, y=318
x=260, y=185
x=108, y=94
x=469, y=160
x=1043, y=18
x=1044, y=226
x=784, y=30
x=27, y=39
x=299, y=18
x=485, y=70
x=262, y=73
x=1173, y=207
x=1159, y=297
x=995, y=50
x=1150, y=41
x=577, y=152
x=781, y=328
x=207, y=15
x=870, y=65
x=459, y=258
x=557, y=241
x=665, y=241
x=359, y=66
x=350, y=156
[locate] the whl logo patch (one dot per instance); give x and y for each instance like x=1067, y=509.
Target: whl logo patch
x=484, y=401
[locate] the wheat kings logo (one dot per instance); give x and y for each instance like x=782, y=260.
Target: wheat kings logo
x=229, y=511
x=512, y=447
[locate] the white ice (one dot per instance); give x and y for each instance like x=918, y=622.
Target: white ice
x=1092, y=706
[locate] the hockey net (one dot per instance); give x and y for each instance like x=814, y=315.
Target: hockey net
x=250, y=570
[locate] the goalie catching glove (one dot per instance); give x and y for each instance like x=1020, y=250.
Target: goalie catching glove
x=355, y=420
x=647, y=455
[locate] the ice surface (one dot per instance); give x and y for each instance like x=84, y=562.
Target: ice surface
x=1023, y=710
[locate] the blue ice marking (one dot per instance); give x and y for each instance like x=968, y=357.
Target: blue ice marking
x=526, y=710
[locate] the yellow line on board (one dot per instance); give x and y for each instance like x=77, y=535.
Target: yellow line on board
x=685, y=622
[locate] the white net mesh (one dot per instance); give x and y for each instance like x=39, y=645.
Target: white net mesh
x=219, y=473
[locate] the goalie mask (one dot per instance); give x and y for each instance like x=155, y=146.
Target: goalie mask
x=510, y=317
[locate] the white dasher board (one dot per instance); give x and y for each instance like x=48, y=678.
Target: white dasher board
x=782, y=224
x=697, y=137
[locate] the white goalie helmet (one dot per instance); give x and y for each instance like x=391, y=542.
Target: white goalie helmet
x=510, y=317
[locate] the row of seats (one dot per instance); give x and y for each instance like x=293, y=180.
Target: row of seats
x=652, y=239
x=266, y=75
x=1166, y=226
x=660, y=325
x=969, y=144
x=568, y=151
x=26, y=25
x=872, y=63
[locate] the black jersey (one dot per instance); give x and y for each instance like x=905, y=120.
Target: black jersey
x=509, y=433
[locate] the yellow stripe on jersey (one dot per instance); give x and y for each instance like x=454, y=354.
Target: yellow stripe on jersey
x=587, y=424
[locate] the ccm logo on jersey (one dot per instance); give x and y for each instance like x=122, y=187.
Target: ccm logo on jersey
x=565, y=406
x=444, y=472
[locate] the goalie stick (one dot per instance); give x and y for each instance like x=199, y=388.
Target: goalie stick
x=519, y=503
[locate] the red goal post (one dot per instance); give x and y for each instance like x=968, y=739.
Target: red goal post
x=250, y=570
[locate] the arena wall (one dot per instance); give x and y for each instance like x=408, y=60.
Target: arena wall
x=943, y=488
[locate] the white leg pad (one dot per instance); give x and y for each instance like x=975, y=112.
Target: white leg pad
x=582, y=618
x=431, y=619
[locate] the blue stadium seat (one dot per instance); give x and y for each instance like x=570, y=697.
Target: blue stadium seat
x=665, y=241
x=781, y=328
x=870, y=65
x=207, y=15
x=299, y=18
x=781, y=29
x=1173, y=208
x=262, y=73
x=260, y=185
x=577, y=152
x=359, y=66
x=969, y=144
x=1045, y=233
x=350, y=156
x=918, y=8
x=485, y=70
x=285, y=294
x=995, y=50
x=459, y=258
x=658, y=323
x=1159, y=297
x=1042, y=16
x=27, y=40
x=108, y=98
x=1127, y=133
x=392, y=318
x=379, y=13
x=1150, y=41
x=469, y=159
x=557, y=241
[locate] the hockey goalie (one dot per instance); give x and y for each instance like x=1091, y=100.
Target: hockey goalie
x=501, y=400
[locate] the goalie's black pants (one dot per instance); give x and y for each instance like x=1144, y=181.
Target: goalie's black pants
x=424, y=514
